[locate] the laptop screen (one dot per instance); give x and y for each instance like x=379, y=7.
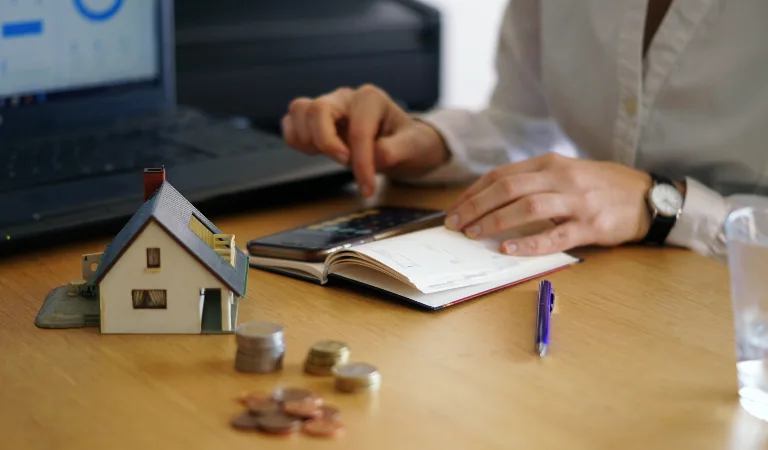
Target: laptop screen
x=51, y=49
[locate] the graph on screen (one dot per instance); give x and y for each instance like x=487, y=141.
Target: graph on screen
x=48, y=45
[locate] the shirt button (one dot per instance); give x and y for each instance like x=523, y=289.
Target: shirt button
x=630, y=106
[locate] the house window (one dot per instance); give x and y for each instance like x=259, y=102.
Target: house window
x=149, y=299
x=153, y=258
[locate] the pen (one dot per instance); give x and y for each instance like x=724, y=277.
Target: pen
x=546, y=304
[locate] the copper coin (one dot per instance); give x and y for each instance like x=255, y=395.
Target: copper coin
x=245, y=396
x=244, y=421
x=330, y=412
x=304, y=409
x=291, y=394
x=323, y=427
x=278, y=423
x=262, y=405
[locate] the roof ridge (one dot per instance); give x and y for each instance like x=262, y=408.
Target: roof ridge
x=157, y=197
x=172, y=212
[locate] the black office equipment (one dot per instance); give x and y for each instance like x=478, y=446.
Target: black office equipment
x=88, y=101
x=252, y=57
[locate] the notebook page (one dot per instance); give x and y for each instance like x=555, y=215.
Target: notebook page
x=438, y=259
x=444, y=298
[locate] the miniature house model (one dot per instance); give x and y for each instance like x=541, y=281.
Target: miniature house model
x=169, y=270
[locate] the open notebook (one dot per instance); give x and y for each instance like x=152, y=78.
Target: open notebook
x=433, y=268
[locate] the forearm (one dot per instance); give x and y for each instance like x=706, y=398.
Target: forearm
x=477, y=142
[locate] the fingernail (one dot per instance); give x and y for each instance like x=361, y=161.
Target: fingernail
x=341, y=158
x=452, y=222
x=510, y=247
x=473, y=231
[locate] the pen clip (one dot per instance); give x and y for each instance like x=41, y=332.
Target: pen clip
x=552, y=300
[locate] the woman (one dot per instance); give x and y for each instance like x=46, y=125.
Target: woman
x=619, y=121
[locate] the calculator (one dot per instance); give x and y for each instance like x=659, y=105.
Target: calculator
x=315, y=241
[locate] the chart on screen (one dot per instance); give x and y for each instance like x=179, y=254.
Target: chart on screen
x=52, y=45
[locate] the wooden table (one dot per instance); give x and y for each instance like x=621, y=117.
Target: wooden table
x=642, y=358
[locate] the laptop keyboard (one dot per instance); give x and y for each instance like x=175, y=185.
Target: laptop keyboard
x=183, y=138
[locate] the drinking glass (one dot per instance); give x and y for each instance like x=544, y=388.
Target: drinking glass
x=746, y=231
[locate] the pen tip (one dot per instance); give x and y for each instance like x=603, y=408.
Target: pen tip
x=541, y=348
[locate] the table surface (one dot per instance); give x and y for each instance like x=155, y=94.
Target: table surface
x=642, y=358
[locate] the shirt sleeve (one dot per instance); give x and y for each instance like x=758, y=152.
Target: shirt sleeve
x=516, y=125
x=701, y=225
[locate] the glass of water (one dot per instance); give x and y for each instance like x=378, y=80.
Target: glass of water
x=746, y=231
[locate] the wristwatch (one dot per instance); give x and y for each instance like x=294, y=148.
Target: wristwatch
x=665, y=203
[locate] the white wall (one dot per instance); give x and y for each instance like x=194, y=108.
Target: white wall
x=179, y=273
x=470, y=35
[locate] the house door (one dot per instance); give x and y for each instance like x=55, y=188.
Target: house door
x=211, y=321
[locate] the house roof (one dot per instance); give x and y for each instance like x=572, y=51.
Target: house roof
x=172, y=211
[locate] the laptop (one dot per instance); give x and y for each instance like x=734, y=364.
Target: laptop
x=87, y=102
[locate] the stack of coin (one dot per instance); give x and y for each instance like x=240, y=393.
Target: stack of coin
x=260, y=347
x=323, y=356
x=356, y=377
x=286, y=411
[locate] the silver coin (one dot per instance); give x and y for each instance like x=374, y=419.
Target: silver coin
x=355, y=370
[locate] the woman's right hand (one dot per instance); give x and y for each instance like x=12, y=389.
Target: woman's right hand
x=365, y=129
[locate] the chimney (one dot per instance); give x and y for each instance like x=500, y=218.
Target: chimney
x=153, y=178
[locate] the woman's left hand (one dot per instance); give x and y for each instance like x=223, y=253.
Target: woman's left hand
x=590, y=203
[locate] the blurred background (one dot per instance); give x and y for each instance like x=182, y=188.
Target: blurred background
x=442, y=56
x=92, y=92
x=470, y=34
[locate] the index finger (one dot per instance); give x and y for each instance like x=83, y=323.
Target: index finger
x=365, y=115
x=528, y=165
x=325, y=111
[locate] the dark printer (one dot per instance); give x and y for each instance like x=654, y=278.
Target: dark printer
x=251, y=58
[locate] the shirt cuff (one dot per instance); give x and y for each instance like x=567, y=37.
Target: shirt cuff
x=700, y=226
x=458, y=169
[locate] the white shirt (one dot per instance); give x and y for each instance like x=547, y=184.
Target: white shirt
x=572, y=79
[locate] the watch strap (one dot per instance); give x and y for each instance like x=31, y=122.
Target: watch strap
x=661, y=226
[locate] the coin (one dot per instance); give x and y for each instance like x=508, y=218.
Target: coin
x=323, y=427
x=329, y=347
x=245, y=396
x=323, y=356
x=356, y=370
x=303, y=409
x=261, y=406
x=266, y=361
x=260, y=347
x=317, y=369
x=355, y=377
x=329, y=412
x=283, y=394
x=278, y=423
x=255, y=337
x=244, y=421
x=259, y=330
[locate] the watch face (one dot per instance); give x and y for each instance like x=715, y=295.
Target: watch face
x=667, y=200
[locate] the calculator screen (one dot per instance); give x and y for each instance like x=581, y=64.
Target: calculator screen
x=359, y=225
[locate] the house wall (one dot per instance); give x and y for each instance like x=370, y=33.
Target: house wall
x=180, y=274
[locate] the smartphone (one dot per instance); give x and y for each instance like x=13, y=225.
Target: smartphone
x=315, y=241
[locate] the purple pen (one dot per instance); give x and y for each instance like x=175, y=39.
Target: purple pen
x=546, y=305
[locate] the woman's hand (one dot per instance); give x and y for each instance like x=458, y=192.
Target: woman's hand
x=366, y=130
x=590, y=203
